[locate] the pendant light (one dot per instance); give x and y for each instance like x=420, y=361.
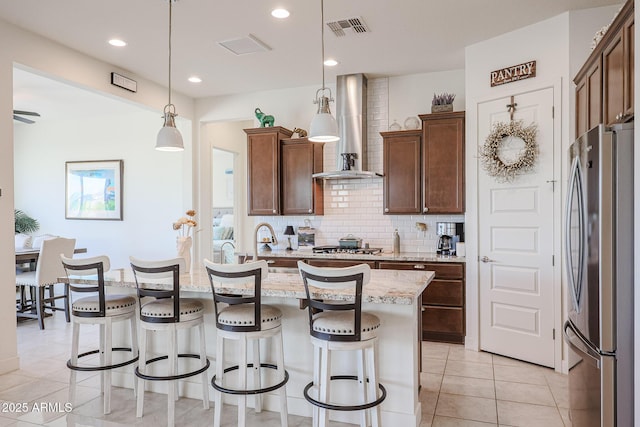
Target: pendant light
x=324, y=127
x=169, y=138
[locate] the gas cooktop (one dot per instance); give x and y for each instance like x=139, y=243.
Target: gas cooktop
x=339, y=250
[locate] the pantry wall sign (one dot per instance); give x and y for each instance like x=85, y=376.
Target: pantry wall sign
x=513, y=73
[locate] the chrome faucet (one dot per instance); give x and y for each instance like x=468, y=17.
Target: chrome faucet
x=274, y=240
x=222, y=250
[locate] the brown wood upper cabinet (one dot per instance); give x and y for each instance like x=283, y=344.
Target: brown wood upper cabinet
x=402, y=171
x=279, y=172
x=424, y=169
x=605, y=84
x=301, y=194
x=443, y=162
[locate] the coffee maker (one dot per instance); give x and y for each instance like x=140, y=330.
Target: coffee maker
x=449, y=233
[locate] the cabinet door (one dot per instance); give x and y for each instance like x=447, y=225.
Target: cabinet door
x=613, y=80
x=263, y=169
x=594, y=96
x=402, y=171
x=581, y=106
x=629, y=66
x=443, y=163
x=301, y=194
x=263, y=174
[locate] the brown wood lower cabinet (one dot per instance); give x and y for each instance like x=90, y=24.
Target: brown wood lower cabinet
x=443, y=310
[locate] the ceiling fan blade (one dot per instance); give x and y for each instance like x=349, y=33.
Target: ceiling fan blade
x=26, y=113
x=22, y=119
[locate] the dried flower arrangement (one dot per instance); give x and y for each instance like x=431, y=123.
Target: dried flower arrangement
x=489, y=152
x=186, y=224
x=443, y=99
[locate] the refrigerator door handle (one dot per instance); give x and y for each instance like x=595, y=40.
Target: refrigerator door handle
x=575, y=190
x=580, y=346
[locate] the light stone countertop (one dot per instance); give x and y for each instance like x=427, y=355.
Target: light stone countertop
x=384, y=256
x=385, y=286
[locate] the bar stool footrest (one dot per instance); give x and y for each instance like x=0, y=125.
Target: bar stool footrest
x=101, y=368
x=334, y=407
x=172, y=377
x=252, y=391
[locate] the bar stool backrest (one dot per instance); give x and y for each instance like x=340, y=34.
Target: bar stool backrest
x=93, y=266
x=159, y=270
x=249, y=275
x=354, y=277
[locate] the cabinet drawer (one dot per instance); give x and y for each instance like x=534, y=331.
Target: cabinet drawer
x=442, y=270
x=338, y=263
x=443, y=319
x=281, y=262
x=444, y=292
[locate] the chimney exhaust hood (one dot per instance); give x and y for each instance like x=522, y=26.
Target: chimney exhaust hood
x=351, y=114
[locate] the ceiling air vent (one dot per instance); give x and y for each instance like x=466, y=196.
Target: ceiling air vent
x=356, y=24
x=245, y=45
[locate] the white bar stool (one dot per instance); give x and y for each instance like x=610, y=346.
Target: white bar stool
x=98, y=309
x=342, y=326
x=167, y=312
x=244, y=319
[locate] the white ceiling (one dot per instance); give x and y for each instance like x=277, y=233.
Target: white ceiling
x=406, y=37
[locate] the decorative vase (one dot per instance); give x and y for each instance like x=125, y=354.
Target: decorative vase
x=183, y=247
x=441, y=108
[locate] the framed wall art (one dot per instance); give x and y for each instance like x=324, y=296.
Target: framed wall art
x=93, y=190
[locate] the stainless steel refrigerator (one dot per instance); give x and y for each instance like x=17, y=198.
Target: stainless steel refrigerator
x=599, y=267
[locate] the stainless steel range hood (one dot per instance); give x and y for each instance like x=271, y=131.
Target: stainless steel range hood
x=351, y=114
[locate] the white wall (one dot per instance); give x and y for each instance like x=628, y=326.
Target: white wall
x=411, y=95
x=152, y=182
x=227, y=136
x=32, y=51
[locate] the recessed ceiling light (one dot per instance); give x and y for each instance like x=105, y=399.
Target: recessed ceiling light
x=195, y=79
x=117, y=42
x=330, y=62
x=280, y=13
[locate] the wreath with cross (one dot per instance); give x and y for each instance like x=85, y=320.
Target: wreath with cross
x=501, y=134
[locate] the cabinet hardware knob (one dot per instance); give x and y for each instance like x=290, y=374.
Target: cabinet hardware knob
x=386, y=209
x=425, y=210
x=618, y=116
x=419, y=266
x=274, y=211
x=310, y=210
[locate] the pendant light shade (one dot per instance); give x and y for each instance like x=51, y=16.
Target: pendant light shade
x=169, y=138
x=324, y=127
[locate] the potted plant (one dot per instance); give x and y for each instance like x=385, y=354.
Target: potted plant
x=442, y=103
x=24, y=224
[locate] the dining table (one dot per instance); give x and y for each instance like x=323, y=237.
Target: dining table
x=31, y=254
x=392, y=295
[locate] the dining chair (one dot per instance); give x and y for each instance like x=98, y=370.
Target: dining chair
x=97, y=307
x=48, y=270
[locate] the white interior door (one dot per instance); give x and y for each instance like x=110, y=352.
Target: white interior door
x=516, y=239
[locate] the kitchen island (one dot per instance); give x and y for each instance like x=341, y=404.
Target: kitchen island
x=394, y=296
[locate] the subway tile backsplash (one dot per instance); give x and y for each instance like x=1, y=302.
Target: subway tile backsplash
x=355, y=206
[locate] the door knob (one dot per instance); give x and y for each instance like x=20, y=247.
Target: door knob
x=487, y=259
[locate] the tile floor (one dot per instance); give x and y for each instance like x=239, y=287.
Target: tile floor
x=460, y=388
